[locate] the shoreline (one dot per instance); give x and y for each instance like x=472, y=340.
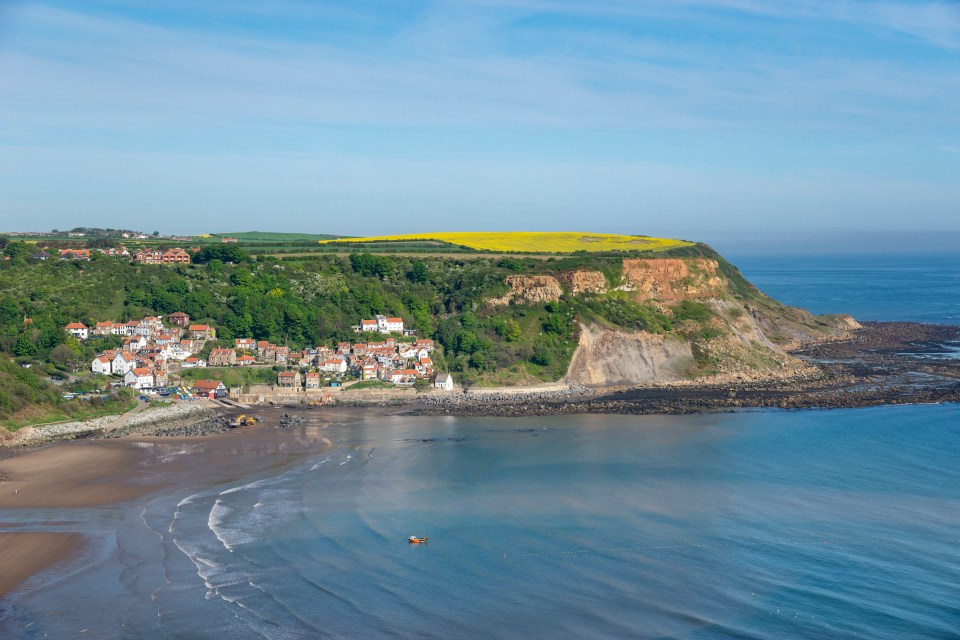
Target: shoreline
x=90, y=473
x=191, y=445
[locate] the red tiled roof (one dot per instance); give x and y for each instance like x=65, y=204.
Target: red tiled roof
x=206, y=384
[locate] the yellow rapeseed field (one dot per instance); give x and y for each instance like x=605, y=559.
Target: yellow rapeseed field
x=535, y=241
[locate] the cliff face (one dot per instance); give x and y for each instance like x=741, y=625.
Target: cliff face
x=606, y=357
x=672, y=279
x=530, y=290
x=718, y=325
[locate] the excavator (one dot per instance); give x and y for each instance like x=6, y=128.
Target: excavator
x=243, y=420
x=326, y=400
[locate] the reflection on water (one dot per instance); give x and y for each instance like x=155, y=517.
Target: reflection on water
x=755, y=524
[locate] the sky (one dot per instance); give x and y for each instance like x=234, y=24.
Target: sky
x=698, y=119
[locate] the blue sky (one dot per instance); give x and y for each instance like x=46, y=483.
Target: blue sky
x=689, y=118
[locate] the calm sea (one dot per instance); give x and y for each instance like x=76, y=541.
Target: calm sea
x=755, y=524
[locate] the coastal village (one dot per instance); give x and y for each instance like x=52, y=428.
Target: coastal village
x=153, y=349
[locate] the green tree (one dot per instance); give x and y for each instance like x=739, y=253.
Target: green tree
x=24, y=346
x=16, y=249
x=419, y=273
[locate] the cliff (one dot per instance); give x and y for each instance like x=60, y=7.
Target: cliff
x=654, y=320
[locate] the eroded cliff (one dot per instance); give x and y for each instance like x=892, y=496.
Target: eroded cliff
x=698, y=319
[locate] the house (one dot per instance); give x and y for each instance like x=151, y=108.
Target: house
x=262, y=345
x=164, y=339
x=281, y=354
x=175, y=256
x=211, y=389
x=171, y=256
x=222, y=358
x=179, y=351
x=312, y=380
x=380, y=324
x=101, y=365
x=246, y=360
x=389, y=325
x=139, y=378
x=202, y=332
x=117, y=252
x=77, y=330
x=424, y=343
x=245, y=344
x=289, y=379
x=370, y=371
x=334, y=365
x=122, y=363
x=193, y=361
x=103, y=329
x=135, y=343
x=179, y=318
x=443, y=381
x=41, y=255
x=225, y=240
x=401, y=376
x=74, y=254
x=425, y=366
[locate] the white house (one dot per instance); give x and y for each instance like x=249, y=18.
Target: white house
x=122, y=363
x=135, y=343
x=179, y=351
x=101, y=365
x=78, y=330
x=138, y=378
x=334, y=365
x=443, y=381
x=389, y=325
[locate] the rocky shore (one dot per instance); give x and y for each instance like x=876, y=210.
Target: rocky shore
x=881, y=364
x=148, y=421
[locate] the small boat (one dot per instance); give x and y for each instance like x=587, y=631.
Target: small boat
x=416, y=540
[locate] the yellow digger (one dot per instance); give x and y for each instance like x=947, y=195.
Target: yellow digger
x=243, y=420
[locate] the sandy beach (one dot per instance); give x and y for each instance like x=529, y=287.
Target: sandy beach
x=90, y=473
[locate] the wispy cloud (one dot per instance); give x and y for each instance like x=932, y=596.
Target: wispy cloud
x=734, y=100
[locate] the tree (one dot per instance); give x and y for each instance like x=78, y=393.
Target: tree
x=24, y=346
x=16, y=249
x=156, y=233
x=421, y=384
x=419, y=272
x=64, y=356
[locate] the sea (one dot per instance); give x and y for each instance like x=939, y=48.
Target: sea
x=749, y=524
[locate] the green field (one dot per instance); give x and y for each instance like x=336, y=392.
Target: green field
x=269, y=236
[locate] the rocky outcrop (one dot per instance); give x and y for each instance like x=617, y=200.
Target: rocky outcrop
x=672, y=279
x=605, y=357
x=530, y=290
x=584, y=282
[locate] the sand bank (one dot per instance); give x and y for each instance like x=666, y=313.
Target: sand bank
x=91, y=473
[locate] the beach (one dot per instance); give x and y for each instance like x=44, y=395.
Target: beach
x=92, y=473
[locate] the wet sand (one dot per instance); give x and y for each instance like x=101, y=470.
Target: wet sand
x=92, y=473
x=24, y=554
